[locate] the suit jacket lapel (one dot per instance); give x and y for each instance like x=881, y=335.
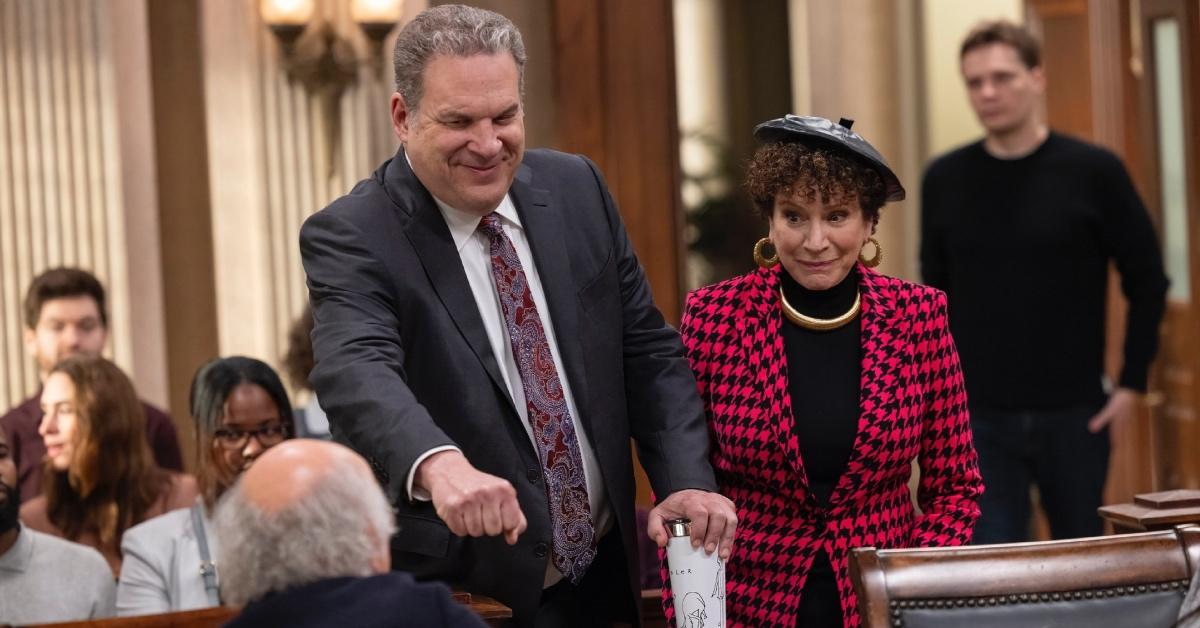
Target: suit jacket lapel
x=884, y=353
x=542, y=220
x=430, y=238
x=762, y=344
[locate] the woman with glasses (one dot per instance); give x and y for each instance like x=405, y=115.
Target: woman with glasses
x=100, y=475
x=241, y=409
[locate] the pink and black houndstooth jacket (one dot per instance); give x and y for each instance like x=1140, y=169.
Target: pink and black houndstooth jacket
x=913, y=406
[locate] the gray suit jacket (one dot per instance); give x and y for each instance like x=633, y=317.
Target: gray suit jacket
x=160, y=566
x=404, y=364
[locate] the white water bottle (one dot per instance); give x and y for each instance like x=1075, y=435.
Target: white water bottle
x=697, y=579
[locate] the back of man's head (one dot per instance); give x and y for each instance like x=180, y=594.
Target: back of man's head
x=63, y=283
x=1028, y=50
x=305, y=511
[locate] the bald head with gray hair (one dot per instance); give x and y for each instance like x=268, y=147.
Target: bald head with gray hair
x=305, y=511
x=453, y=30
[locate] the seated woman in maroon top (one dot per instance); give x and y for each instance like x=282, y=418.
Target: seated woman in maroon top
x=823, y=381
x=100, y=475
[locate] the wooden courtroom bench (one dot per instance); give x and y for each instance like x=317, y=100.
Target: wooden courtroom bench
x=493, y=613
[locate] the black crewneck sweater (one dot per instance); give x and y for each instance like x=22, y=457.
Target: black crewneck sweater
x=1022, y=249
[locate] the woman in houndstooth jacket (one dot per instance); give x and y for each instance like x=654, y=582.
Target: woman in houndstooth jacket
x=824, y=381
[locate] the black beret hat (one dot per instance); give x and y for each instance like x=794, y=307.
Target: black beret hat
x=813, y=130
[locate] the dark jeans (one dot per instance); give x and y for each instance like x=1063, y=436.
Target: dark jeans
x=1056, y=451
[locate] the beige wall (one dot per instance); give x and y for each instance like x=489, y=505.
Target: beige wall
x=77, y=184
x=275, y=158
x=855, y=59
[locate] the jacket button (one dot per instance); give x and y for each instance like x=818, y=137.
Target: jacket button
x=540, y=550
x=533, y=475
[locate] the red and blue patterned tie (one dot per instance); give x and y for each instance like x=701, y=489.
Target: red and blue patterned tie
x=574, y=544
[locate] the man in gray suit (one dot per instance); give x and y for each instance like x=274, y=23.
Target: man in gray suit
x=485, y=336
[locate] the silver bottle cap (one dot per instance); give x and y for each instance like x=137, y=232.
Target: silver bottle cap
x=679, y=527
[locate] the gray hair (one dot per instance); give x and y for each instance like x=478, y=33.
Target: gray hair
x=333, y=532
x=454, y=30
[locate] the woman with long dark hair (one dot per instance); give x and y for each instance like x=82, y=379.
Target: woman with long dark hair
x=101, y=478
x=240, y=409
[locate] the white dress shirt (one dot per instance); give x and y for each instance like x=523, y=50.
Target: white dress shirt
x=474, y=249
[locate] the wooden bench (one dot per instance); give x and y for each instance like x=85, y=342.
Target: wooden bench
x=493, y=613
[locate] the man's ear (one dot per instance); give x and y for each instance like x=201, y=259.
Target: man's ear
x=1039, y=79
x=401, y=115
x=381, y=562
x=30, y=338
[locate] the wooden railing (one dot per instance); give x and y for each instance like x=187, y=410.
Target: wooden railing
x=493, y=613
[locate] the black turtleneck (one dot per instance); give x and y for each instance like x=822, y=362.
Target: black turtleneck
x=824, y=368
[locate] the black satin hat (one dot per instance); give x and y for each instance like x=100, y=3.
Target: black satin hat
x=814, y=130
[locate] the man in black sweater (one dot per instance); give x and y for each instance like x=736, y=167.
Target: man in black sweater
x=1019, y=229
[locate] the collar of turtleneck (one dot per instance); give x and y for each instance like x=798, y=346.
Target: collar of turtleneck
x=828, y=303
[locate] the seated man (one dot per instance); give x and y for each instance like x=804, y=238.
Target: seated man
x=43, y=578
x=305, y=542
x=65, y=314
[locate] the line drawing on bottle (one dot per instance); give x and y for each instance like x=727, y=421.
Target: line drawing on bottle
x=718, y=592
x=694, y=612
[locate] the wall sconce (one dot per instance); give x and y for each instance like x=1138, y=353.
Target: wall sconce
x=322, y=59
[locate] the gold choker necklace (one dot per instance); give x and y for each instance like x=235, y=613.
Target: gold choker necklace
x=818, y=324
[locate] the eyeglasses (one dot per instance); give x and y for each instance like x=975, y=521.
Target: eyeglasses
x=267, y=435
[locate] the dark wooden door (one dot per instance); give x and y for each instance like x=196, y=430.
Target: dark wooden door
x=1170, y=146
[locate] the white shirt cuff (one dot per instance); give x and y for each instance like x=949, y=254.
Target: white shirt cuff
x=419, y=494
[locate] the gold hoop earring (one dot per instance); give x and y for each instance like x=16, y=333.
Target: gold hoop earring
x=874, y=261
x=764, y=262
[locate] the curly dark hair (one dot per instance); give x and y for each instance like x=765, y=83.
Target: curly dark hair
x=795, y=168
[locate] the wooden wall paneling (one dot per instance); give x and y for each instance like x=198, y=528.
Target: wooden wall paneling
x=614, y=84
x=580, y=80
x=643, y=140
x=189, y=296
x=1179, y=357
x=139, y=331
x=1066, y=56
